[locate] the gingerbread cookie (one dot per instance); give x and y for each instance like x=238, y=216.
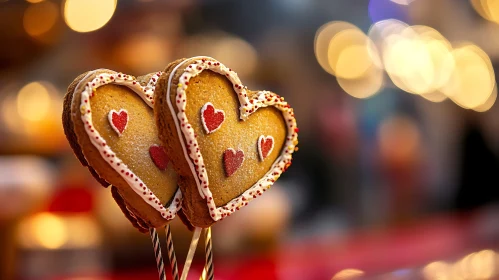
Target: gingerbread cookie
x=108, y=120
x=227, y=143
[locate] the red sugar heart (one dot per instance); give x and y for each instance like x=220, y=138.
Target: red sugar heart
x=212, y=119
x=118, y=120
x=265, y=146
x=232, y=161
x=159, y=156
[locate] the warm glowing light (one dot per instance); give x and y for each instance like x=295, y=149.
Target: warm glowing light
x=144, y=52
x=348, y=54
x=482, y=264
x=84, y=231
x=379, y=31
x=323, y=38
x=435, y=96
x=493, y=9
x=48, y=230
x=399, y=139
x=437, y=271
x=348, y=274
x=409, y=64
x=52, y=231
x=35, y=1
x=488, y=104
x=366, y=86
x=228, y=48
x=472, y=81
x=88, y=15
x=40, y=18
x=488, y=9
x=33, y=101
x=353, y=62
x=237, y=52
x=10, y=116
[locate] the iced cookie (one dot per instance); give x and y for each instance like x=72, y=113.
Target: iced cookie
x=227, y=143
x=109, y=122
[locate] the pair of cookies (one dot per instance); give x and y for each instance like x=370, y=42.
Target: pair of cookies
x=195, y=125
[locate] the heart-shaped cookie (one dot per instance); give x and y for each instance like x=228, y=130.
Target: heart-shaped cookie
x=109, y=122
x=228, y=144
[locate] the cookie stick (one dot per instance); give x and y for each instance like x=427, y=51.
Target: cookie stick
x=208, y=248
x=190, y=254
x=171, y=253
x=157, y=253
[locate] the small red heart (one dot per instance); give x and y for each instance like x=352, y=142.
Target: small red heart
x=265, y=146
x=118, y=120
x=159, y=156
x=232, y=161
x=212, y=119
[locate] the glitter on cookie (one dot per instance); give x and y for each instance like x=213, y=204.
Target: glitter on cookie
x=147, y=94
x=248, y=106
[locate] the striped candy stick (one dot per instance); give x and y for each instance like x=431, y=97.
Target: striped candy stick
x=209, y=267
x=157, y=253
x=171, y=253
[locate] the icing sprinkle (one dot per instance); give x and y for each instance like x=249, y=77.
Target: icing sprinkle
x=248, y=106
x=265, y=146
x=211, y=118
x=118, y=120
x=232, y=161
x=147, y=94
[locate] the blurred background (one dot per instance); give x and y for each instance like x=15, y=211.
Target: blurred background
x=397, y=172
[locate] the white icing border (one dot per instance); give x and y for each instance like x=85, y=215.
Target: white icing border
x=110, y=119
x=147, y=94
x=205, y=106
x=234, y=152
x=265, y=138
x=248, y=106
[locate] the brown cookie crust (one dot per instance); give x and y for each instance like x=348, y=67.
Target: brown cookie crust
x=144, y=215
x=211, y=87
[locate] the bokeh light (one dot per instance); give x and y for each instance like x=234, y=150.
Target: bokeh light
x=348, y=54
x=88, y=15
x=489, y=103
x=488, y=9
x=230, y=49
x=33, y=101
x=43, y=230
x=474, y=266
x=472, y=82
x=365, y=86
x=348, y=274
x=323, y=38
x=345, y=51
x=437, y=271
x=408, y=64
x=418, y=59
x=399, y=139
x=144, y=52
x=53, y=231
x=40, y=18
x=435, y=96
